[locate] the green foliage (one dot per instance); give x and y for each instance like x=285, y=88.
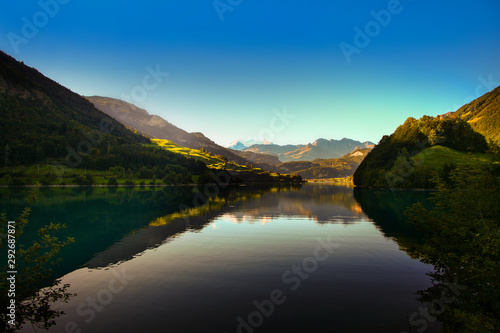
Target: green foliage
x=117, y=171
x=463, y=244
x=86, y=180
x=216, y=164
x=41, y=118
x=388, y=165
x=113, y=181
x=34, y=265
x=483, y=114
x=199, y=155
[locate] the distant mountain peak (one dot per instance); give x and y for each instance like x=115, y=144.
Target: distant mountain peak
x=241, y=145
x=319, y=141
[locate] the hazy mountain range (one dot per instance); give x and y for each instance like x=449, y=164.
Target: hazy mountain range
x=321, y=148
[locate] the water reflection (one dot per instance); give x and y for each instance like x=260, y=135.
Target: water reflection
x=95, y=217
x=250, y=204
x=323, y=204
x=387, y=210
x=241, y=240
x=114, y=225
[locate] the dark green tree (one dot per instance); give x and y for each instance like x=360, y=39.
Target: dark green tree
x=463, y=244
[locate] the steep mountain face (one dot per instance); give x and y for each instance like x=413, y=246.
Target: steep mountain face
x=157, y=127
x=327, y=168
x=320, y=148
x=483, y=114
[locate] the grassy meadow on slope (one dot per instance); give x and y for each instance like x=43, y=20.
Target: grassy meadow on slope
x=436, y=157
x=244, y=173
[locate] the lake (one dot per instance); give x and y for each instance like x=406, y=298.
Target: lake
x=266, y=258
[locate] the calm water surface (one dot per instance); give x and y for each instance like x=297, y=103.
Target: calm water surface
x=313, y=258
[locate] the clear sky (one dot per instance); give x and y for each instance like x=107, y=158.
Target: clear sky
x=353, y=69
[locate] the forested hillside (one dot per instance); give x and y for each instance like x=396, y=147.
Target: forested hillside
x=391, y=163
x=46, y=123
x=483, y=114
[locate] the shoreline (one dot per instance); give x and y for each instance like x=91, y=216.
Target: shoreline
x=158, y=185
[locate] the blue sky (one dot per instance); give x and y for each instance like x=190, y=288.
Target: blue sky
x=230, y=78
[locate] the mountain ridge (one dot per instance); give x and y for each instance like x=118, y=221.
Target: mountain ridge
x=242, y=145
x=344, y=166
x=320, y=148
x=483, y=114
x=156, y=127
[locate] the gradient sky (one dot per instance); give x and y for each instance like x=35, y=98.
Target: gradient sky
x=228, y=78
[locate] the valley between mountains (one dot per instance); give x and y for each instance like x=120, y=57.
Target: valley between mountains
x=54, y=136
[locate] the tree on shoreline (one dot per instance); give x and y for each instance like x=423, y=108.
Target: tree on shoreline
x=33, y=265
x=463, y=244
